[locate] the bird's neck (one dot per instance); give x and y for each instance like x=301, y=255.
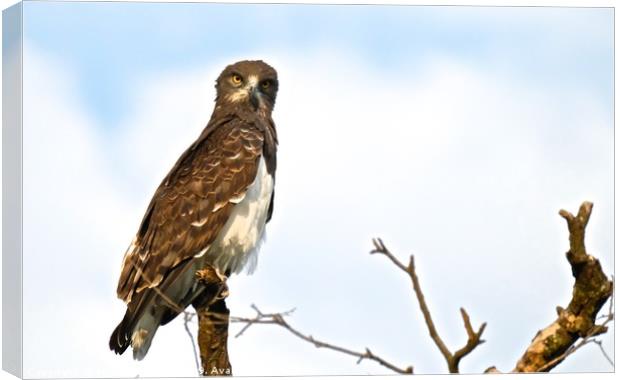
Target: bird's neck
x=242, y=111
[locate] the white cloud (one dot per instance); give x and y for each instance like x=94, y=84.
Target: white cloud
x=463, y=168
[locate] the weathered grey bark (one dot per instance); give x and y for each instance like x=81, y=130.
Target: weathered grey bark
x=591, y=290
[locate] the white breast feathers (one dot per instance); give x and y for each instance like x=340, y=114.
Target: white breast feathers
x=237, y=244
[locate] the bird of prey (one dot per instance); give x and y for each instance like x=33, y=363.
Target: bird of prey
x=211, y=208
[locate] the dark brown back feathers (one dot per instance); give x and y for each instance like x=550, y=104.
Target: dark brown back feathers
x=195, y=199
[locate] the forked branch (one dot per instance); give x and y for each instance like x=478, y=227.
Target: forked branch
x=473, y=337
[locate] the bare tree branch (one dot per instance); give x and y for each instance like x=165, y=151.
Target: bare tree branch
x=605, y=354
x=591, y=290
x=260, y=318
x=473, y=337
x=213, y=323
x=187, y=317
x=278, y=319
x=492, y=370
x=574, y=328
x=590, y=338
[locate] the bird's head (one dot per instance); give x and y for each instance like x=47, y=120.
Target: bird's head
x=248, y=84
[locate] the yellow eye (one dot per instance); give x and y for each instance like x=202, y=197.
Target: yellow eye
x=265, y=84
x=236, y=79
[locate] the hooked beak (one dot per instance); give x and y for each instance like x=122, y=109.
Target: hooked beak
x=254, y=94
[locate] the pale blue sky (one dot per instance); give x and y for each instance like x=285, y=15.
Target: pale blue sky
x=449, y=131
x=112, y=46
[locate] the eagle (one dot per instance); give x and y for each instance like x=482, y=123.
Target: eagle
x=210, y=209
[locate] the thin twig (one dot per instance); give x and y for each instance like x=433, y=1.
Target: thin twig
x=260, y=318
x=600, y=346
x=473, y=337
x=187, y=317
x=278, y=319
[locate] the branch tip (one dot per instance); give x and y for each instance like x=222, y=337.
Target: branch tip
x=566, y=215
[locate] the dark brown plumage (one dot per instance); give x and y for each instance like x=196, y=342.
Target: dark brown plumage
x=194, y=216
